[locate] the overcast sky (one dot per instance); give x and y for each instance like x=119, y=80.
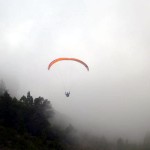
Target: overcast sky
x=111, y=36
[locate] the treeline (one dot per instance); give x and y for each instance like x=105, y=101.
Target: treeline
x=26, y=124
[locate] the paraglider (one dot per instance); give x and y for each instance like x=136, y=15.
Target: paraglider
x=67, y=94
x=67, y=59
x=72, y=59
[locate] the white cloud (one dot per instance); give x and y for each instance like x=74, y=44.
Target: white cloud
x=111, y=36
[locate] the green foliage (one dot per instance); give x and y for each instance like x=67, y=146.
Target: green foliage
x=24, y=124
x=22, y=117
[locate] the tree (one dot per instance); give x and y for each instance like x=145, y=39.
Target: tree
x=5, y=111
x=146, y=143
x=120, y=144
x=29, y=98
x=2, y=87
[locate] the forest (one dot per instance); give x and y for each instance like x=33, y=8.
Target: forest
x=26, y=124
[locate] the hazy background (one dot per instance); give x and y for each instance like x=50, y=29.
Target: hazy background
x=111, y=36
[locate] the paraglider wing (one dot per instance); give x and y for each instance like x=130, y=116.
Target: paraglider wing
x=73, y=59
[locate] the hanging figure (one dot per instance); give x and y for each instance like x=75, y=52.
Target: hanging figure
x=67, y=94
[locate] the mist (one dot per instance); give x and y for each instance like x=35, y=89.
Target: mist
x=112, y=37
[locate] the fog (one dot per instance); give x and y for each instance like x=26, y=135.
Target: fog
x=111, y=36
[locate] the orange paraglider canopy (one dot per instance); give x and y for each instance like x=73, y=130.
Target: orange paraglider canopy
x=73, y=59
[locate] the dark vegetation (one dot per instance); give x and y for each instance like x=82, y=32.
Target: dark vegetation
x=26, y=124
